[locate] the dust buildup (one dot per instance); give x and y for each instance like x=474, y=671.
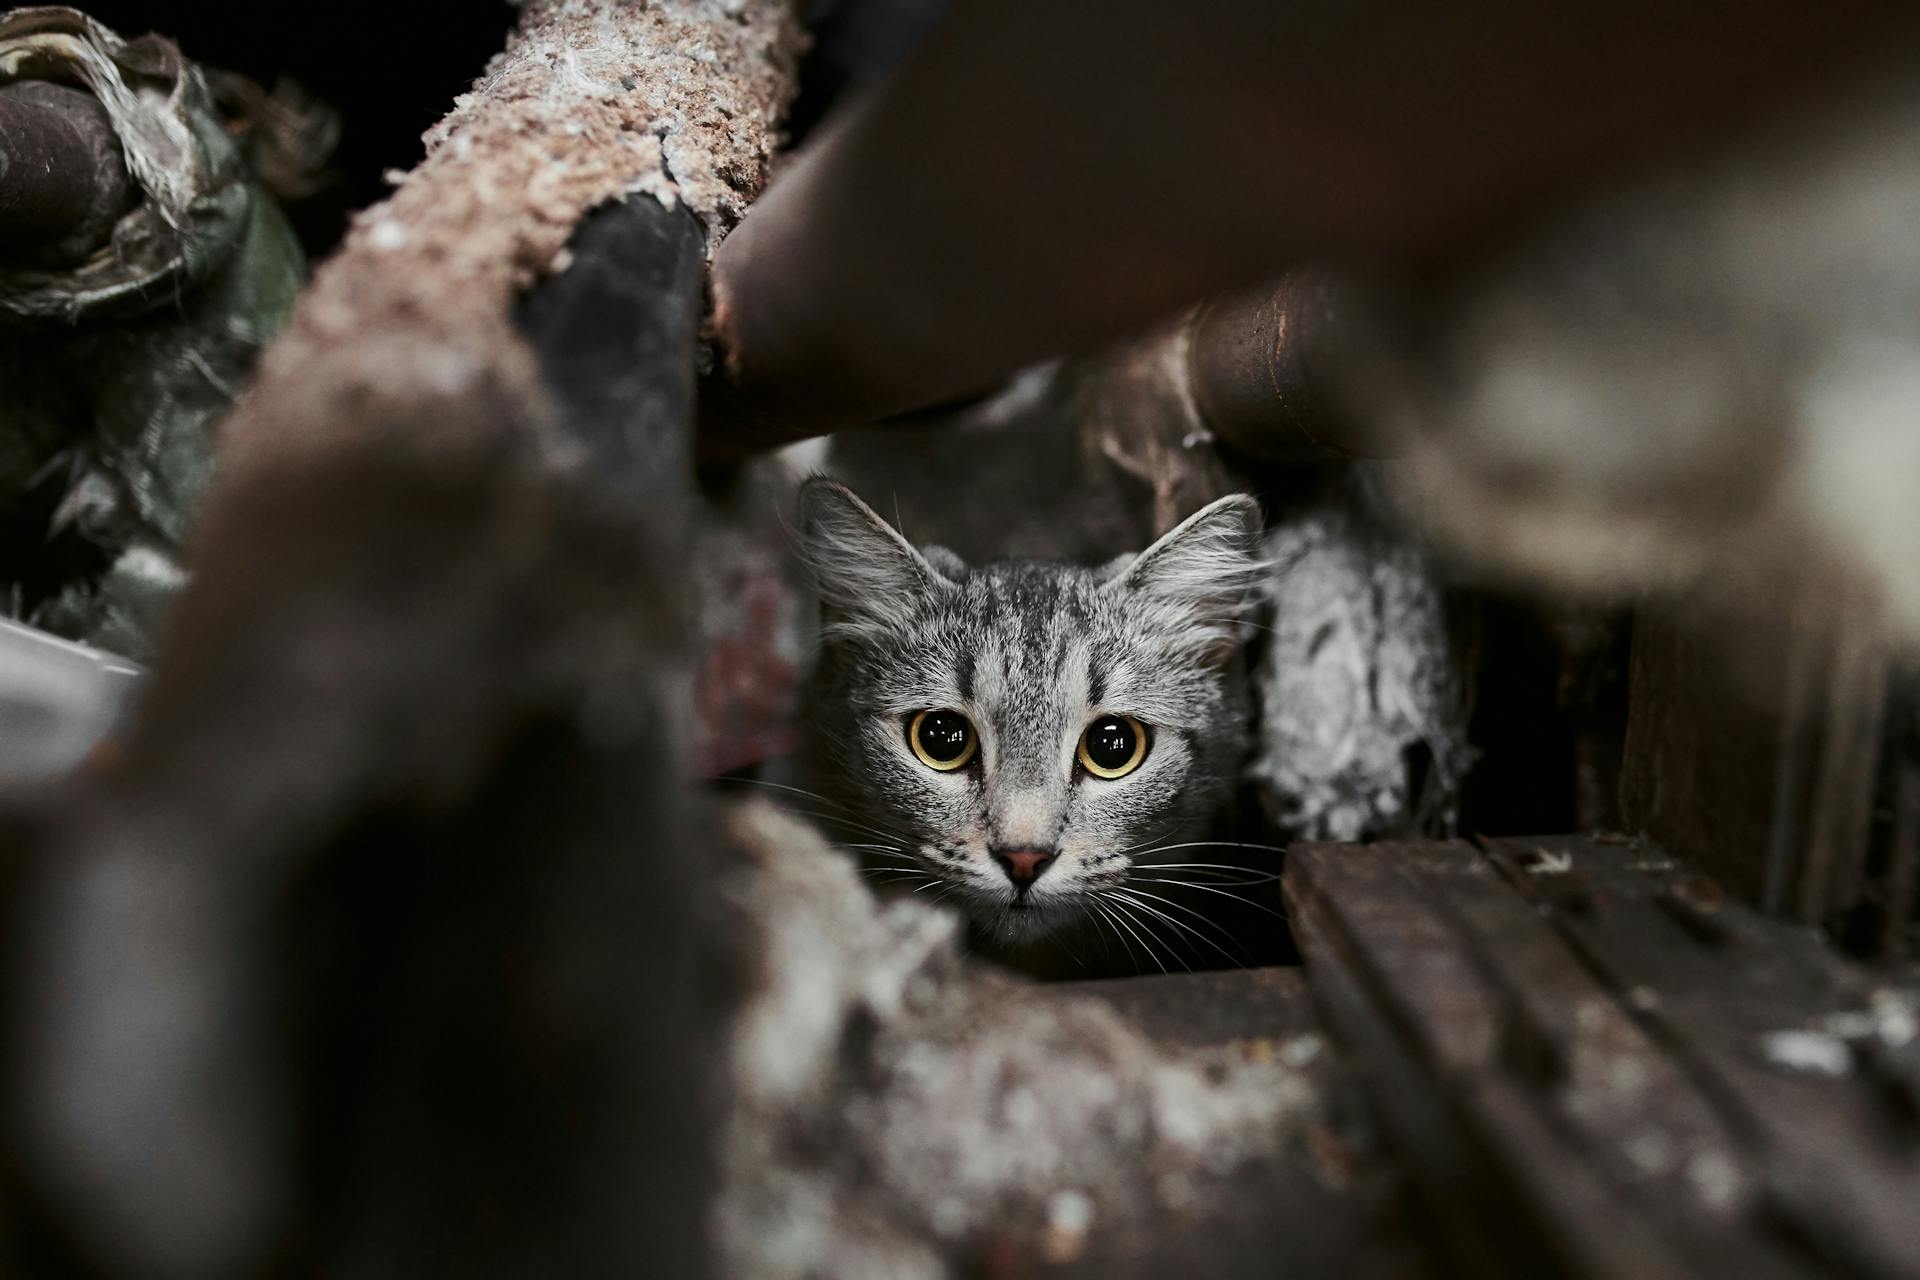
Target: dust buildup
x=1362, y=713
x=897, y=1109
x=592, y=100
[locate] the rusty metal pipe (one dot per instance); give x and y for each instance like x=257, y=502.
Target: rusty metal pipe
x=1258, y=365
x=1043, y=177
x=63, y=178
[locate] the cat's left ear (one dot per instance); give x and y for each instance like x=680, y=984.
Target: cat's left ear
x=870, y=578
x=1206, y=570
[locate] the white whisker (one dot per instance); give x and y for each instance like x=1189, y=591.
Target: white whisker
x=857, y=826
x=1135, y=892
x=1121, y=917
x=1133, y=912
x=781, y=786
x=1241, y=898
x=1184, y=929
x=1114, y=924
x=1219, y=844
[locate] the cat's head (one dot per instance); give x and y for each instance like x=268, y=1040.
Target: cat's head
x=1022, y=731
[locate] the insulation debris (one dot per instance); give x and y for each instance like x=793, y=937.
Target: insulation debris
x=899, y=1110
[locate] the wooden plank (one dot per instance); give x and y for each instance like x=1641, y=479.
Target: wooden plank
x=1903, y=861
x=1753, y=743
x=1413, y=1110
x=1711, y=770
x=1840, y=819
x=1549, y=1123
x=1805, y=1054
x=1547, y=1127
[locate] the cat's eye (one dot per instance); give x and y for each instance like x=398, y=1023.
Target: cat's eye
x=942, y=739
x=1113, y=746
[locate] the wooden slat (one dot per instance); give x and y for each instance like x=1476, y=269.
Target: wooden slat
x=1740, y=1000
x=1903, y=861
x=1546, y=1112
x=1753, y=742
x=1412, y=1109
x=1709, y=768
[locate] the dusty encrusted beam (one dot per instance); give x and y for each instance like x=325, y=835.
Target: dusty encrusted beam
x=375, y=941
x=592, y=100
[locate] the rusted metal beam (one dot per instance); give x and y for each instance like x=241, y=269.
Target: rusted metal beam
x=63, y=180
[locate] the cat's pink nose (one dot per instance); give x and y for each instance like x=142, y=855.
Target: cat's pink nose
x=1024, y=866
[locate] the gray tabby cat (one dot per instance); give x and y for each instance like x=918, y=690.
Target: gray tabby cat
x=1036, y=737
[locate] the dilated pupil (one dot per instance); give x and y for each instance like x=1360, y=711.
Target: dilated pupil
x=943, y=735
x=1110, y=743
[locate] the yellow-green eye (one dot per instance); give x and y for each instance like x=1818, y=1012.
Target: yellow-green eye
x=943, y=740
x=1113, y=746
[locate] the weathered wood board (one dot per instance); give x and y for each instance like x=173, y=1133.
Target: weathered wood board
x=1597, y=1064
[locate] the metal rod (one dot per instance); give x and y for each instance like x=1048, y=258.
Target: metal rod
x=63, y=178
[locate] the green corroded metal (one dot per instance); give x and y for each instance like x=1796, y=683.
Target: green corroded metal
x=116, y=371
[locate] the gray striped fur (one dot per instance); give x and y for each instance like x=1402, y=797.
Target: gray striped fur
x=1031, y=651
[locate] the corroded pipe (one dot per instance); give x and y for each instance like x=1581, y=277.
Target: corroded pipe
x=1258, y=368
x=63, y=179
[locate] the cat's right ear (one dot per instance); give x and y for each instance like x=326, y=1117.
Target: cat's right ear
x=868, y=576
x=1202, y=576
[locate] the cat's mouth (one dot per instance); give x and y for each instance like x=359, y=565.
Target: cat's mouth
x=1025, y=919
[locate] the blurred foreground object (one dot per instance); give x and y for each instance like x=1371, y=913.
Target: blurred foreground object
x=1634, y=289
x=1712, y=376
x=57, y=700
x=386, y=943
x=1700, y=395
x=139, y=280
x=1038, y=179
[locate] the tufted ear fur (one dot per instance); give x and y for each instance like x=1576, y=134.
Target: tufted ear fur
x=1203, y=574
x=868, y=575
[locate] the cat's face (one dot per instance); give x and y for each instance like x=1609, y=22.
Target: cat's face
x=1022, y=732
